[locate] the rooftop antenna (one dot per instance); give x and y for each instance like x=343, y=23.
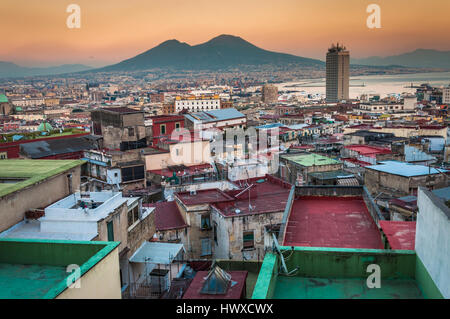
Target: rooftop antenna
x=283, y=263
x=250, y=207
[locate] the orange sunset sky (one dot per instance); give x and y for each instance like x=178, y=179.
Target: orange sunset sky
x=34, y=32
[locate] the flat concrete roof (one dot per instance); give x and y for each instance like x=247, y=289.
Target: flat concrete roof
x=310, y=159
x=341, y=222
x=35, y=269
x=22, y=173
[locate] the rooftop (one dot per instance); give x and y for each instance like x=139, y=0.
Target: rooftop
x=368, y=150
x=235, y=291
x=121, y=110
x=400, y=234
x=310, y=159
x=203, y=197
x=322, y=221
x=26, y=137
x=72, y=218
x=49, y=147
x=167, y=216
x=341, y=273
x=214, y=115
x=16, y=174
x=264, y=195
x=35, y=269
x=404, y=169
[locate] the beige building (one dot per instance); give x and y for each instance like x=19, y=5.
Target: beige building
x=269, y=93
x=337, y=74
x=400, y=178
x=121, y=127
x=31, y=184
x=94, y=216
x=446, y=95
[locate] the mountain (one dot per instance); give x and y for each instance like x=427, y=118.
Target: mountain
x=220, y=52
x=8, y=69
x=420, y=58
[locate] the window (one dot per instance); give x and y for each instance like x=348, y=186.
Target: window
x=163, y=129
x=132, y=173
x=133, y=215
x=205, y=222
x=177, y=126
x=130, y=131
x=249, y=239
x=206, y=247
x=3, y=155
x=215, y=233
x=110, y=228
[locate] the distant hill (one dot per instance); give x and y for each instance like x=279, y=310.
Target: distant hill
x=220, y=52
x=8, y=69
x=420, y=58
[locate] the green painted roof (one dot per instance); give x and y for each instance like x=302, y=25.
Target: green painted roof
x=44, y=126
x=310, y=159
x=329, y=273
x=34, y=269
x=3, y=98
x=31, y=171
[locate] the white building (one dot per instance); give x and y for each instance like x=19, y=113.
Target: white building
x=220, y=119
x=28, y=102
x=377, y=107
x=446, y=95
x=197, y=103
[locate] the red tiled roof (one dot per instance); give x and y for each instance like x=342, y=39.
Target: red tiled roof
x=167, y=216
x=400, y=235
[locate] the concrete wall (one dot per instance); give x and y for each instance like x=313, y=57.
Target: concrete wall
x=100, y=282
x=119, y=219
x=141, y=232
x=230, y=230
x=376, y=180
x=433, y=239
x=13, y=206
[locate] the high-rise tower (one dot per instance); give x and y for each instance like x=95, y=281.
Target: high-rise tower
x=338, y=73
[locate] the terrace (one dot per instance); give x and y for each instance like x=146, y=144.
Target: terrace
x=340, y=273
x=35, y=269
x=17, y=174
x=331, y=221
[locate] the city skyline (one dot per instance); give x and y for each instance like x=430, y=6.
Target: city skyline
x=36, y=34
